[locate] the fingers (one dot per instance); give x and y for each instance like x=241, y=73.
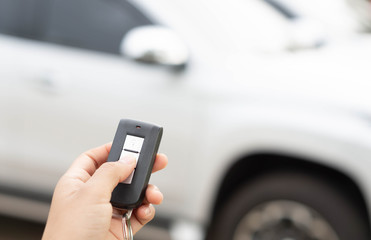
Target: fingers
x=146, y=212
x=153, y=195
x=89, y=162
x=142, y=216
x=160, y=162
x=108, y=175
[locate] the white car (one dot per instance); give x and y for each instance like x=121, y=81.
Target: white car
x=265, y=107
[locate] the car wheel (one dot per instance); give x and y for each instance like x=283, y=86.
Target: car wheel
x=289, y=206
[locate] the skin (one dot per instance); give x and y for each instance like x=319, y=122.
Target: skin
x=81, y=207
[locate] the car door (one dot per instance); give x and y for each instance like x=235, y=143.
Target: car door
x=72, y=86
x=17, y=20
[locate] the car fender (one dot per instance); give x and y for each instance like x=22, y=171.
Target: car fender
x=330, y=137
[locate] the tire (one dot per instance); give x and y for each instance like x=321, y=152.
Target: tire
x=289, y=193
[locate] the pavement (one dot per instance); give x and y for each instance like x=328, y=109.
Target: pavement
x=18, y=229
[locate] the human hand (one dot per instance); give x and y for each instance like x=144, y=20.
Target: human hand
x=81, y=207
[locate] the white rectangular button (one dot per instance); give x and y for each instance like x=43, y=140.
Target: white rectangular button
x=133, y=143
x=126, y=153
x=129, y=179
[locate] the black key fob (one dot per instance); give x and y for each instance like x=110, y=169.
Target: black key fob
x=141, y=140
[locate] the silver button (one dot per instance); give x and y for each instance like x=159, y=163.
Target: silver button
x=129, y=179
x=127, y=153
x=133, y=143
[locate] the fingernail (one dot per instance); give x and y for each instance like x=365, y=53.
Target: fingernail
x=148, y=210
x=127, y=159
x=156, y=188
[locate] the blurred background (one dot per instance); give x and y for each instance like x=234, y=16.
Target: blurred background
x=265, y=106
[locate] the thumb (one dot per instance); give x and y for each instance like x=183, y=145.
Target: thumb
x=109, y=174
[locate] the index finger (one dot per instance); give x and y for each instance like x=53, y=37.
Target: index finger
x=160, y=162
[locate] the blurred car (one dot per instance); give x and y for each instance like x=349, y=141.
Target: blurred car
x=265, y=107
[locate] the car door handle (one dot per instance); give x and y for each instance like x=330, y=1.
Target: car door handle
x=49, y=82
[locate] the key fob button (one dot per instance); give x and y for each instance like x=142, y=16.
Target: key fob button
x=129, y=179
x=133, y=143
x=125, y=153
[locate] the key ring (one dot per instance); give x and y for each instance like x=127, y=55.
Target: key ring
x=126, y=223
x=126, y=226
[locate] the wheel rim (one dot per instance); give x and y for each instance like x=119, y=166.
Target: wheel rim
x=283, y=220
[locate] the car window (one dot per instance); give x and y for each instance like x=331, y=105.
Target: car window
x=92, y=24
x=18, y=17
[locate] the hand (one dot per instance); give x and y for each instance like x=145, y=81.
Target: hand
x=81, y=207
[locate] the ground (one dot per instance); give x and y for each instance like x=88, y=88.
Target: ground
x=17, y=229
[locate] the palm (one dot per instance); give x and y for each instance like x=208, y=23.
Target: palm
x=115, y=231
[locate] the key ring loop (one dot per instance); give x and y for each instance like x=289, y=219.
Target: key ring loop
x=126, y=226
x=126, y=223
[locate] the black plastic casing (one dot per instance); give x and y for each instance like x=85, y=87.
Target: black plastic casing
x=130, y=196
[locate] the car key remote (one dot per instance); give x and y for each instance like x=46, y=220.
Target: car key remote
x=141, y=140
